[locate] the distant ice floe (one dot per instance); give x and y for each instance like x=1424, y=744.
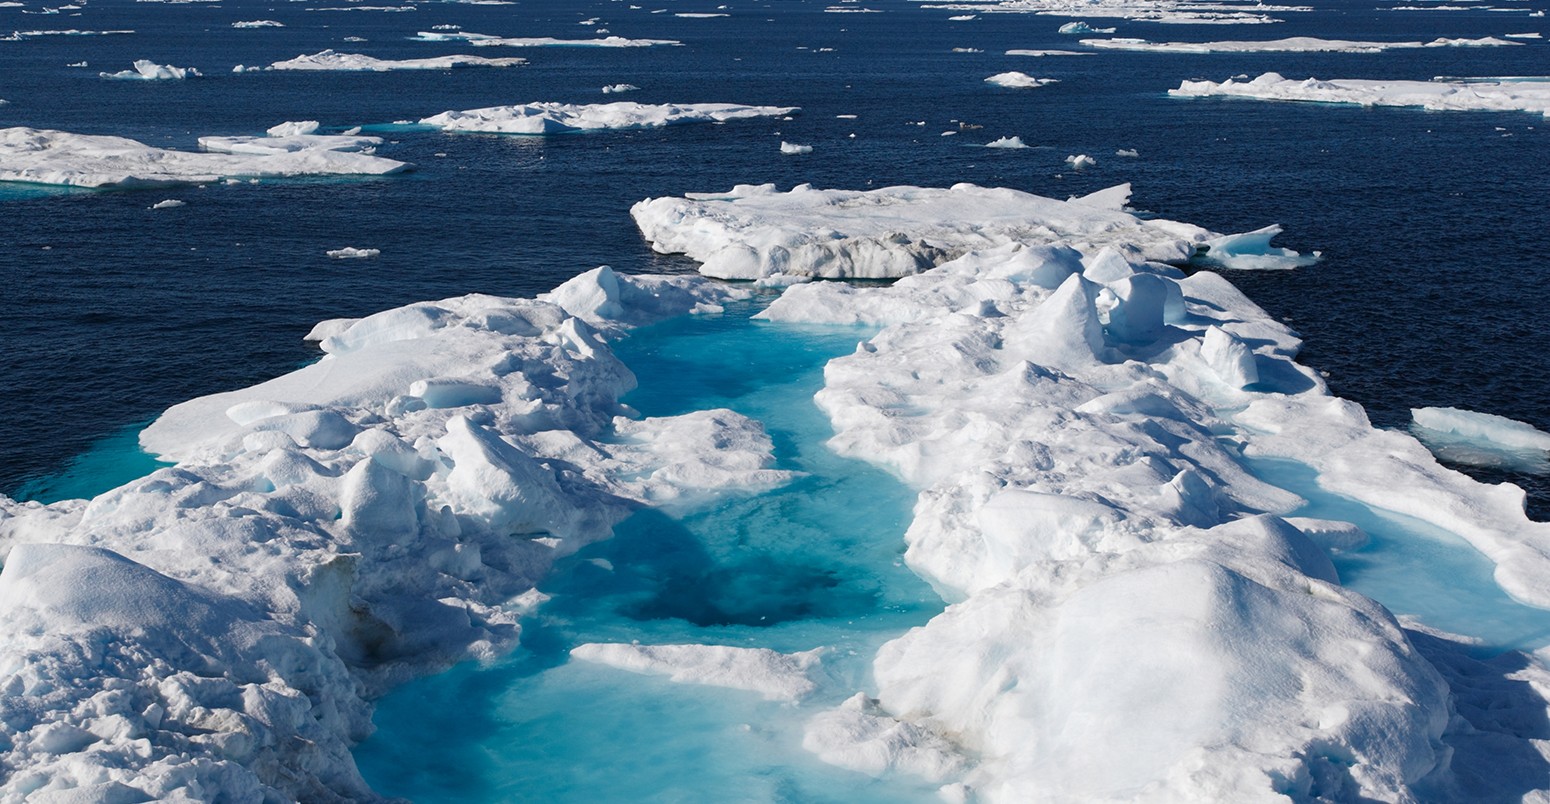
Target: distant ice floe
x=793, y=148
x=1127, y=152
x=17, y=36
x=353, y=253
x=146, y=70
x=355, y=62
x=1042, y=53
x=699, y=15
x=1532, y=95
x=615, y=89
x=1295, y=44
x=1007, y=142
x=1185, y=12
x=758, y=232
x=1016, y=80
x=1530, y=35
x=258, y=24
x=171, y=203
x=1482, y=439
x=1251, y=251
x=1081, y=162
x=58, y=157
x=558, y=118
x=774, y=676
x=488, y=40
x=1073, y=28
x=289, y=137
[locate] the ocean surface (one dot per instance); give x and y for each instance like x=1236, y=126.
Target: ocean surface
x=1433, y=229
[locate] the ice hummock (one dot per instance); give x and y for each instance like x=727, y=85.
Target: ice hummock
x=557, y=118
x=1441, y=95
x=58, y=157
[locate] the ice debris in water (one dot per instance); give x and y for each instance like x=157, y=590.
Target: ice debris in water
x=557, y=118
x=145, y=70
x=355, y=62
x=614, y=89
x=1251, y=251
x=775, y=676
x=290, y=137
x=1447, y=95
x=1296, y=44
x=1192, y=12
x=1482, y=439
x=488, y=40
x=793, y=148
x=1007, y=142
x=1127, y=152
x=170, y=203
x=1016, y=80
x=216, y=629
x=258, y=24
x=58, y=157
x=353, y=253
x=1081, y=161
x=1082, y=28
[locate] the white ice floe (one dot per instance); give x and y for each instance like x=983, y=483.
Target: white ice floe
x=1074, y=28
x=1127, y=152
x=1016, y=80
x=58, y=157
x=1295, y=44
x=258, y=24
x=353, y=253
x=1251, y=251
x=355, y=62
x=289, y=137
x=775, y=676
x=1185, y=12
x=1482, y=439
x=614, y=89
x=1007, y=142
x=146, y=70
x=1081, y=162
x=16, y=36
x=489, y=40
x=793, y=148
x=1132, y=617
x=556, y=118
x=1450, y=95
x=216, y=629
x=699, y=15
x=1043, y=53
x=1530, y=35
x=754, y=232
x=170, y=203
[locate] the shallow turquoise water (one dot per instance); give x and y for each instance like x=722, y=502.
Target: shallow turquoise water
x=817, y=563
x=107, y=464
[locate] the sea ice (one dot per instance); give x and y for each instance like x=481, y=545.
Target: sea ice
x=776, y=676
x=291, y=137
x=1016, y=80
x=1007, y=142
x=480, y=40
x=558, y=118
x=353, y=253
x=1185, y=12
x=331, y=60
x=258, y=24
x=1081, y=161
x=1082, y=28
x=793, y=148
x=151, y=71
x=1042, y=53
x=614, y=89
x=57, y=157
x=1485, y=439
x=1252, y=251
x=1296, y=44
x=170, y=203
x=1449, y=95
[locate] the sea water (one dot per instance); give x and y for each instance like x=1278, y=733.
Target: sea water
x=817, y=563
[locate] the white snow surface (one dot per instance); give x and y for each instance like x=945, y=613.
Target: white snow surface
x=42, y=156
x=214, y=631
x=1443, y=95
x=355, y=62
x=145, y=70
x=756, y=231
x=775, y=676
x=1016, y=80
x=558, y=118
x=1295, y=44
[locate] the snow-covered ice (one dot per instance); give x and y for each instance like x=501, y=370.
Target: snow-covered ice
x=145, y=70
x=170, y=203
x=1016, y=80
x=1007, y=142
x=557, y=118
x=1183, y=12
x=791, y=148
x=776, y=676
x=1295, y=44
x=1074, y=28
x=614, y=89
x=1043, y=53
x=58, y=157
x=489, y=40
x=1081, y=161
x=332, y=60
x=1448, y=95
x=258, y=24
x=1251, y=251
x=289, y=137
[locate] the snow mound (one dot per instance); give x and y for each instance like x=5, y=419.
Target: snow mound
x=355, y=62
x=557, y=118
x=775, y=676
x=1451, y=95
x=146, y=70
x=1016, y=80
x=41, y=156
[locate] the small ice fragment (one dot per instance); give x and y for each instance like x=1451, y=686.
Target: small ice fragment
x=793, y=148
x=353, y=253
x=146, y=70
x=1006, y=142
x=614, y=89
x=1130, y=152
x=1081, y=161
x=1017, y=80
x=168, y=204
x=1082, y=28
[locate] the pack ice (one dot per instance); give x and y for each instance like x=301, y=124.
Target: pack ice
x=215, y=630
x=558, y=118
x=41, y=156
x=1132, y=616
x=1439, y=95
x=1186, y=12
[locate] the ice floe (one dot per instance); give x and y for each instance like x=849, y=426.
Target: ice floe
x=1007, y=142
x=289, y=137
x=791, y=148
x=1081, y=162
x=1184, y=12
x=1295, y=44
x=1482, y=439
x=1451, y=95
x=775, y=676
x=1043, y=53
x=332, y=60
x=614, y=89
x=353, y=253
x=1074, y=28
x=556, y=118
x=171, y=203
x=16, y=36
x=145, y=70
x=216, y=630
x=488, y=40
x=59, y=157
x=1250, y=251
x=1016, y=80
x=258, y=24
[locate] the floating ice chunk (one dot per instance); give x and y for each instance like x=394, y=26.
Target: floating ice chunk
x=258, y=24
x=355, y=62
x=58, y=157
x=614, y=89
x=293, y=128
x=699, y=15
x=1251, y=251
x=288, y=143
x=775, y=676
x=1452, y=95
x=353, y=253
x=1016, y=80
x=860, y=736
x=1081, y=161
x=557, y=118
x=1529, y=35
x=170, y=203
x=146, y=70
x=1482, y=439
x=1082, y=28
x=963, y=17
x=1127, y=152
x=1042, y=53
x=1296, y=44
x=546, y=41
x=793, y=148
x=1006, y=142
